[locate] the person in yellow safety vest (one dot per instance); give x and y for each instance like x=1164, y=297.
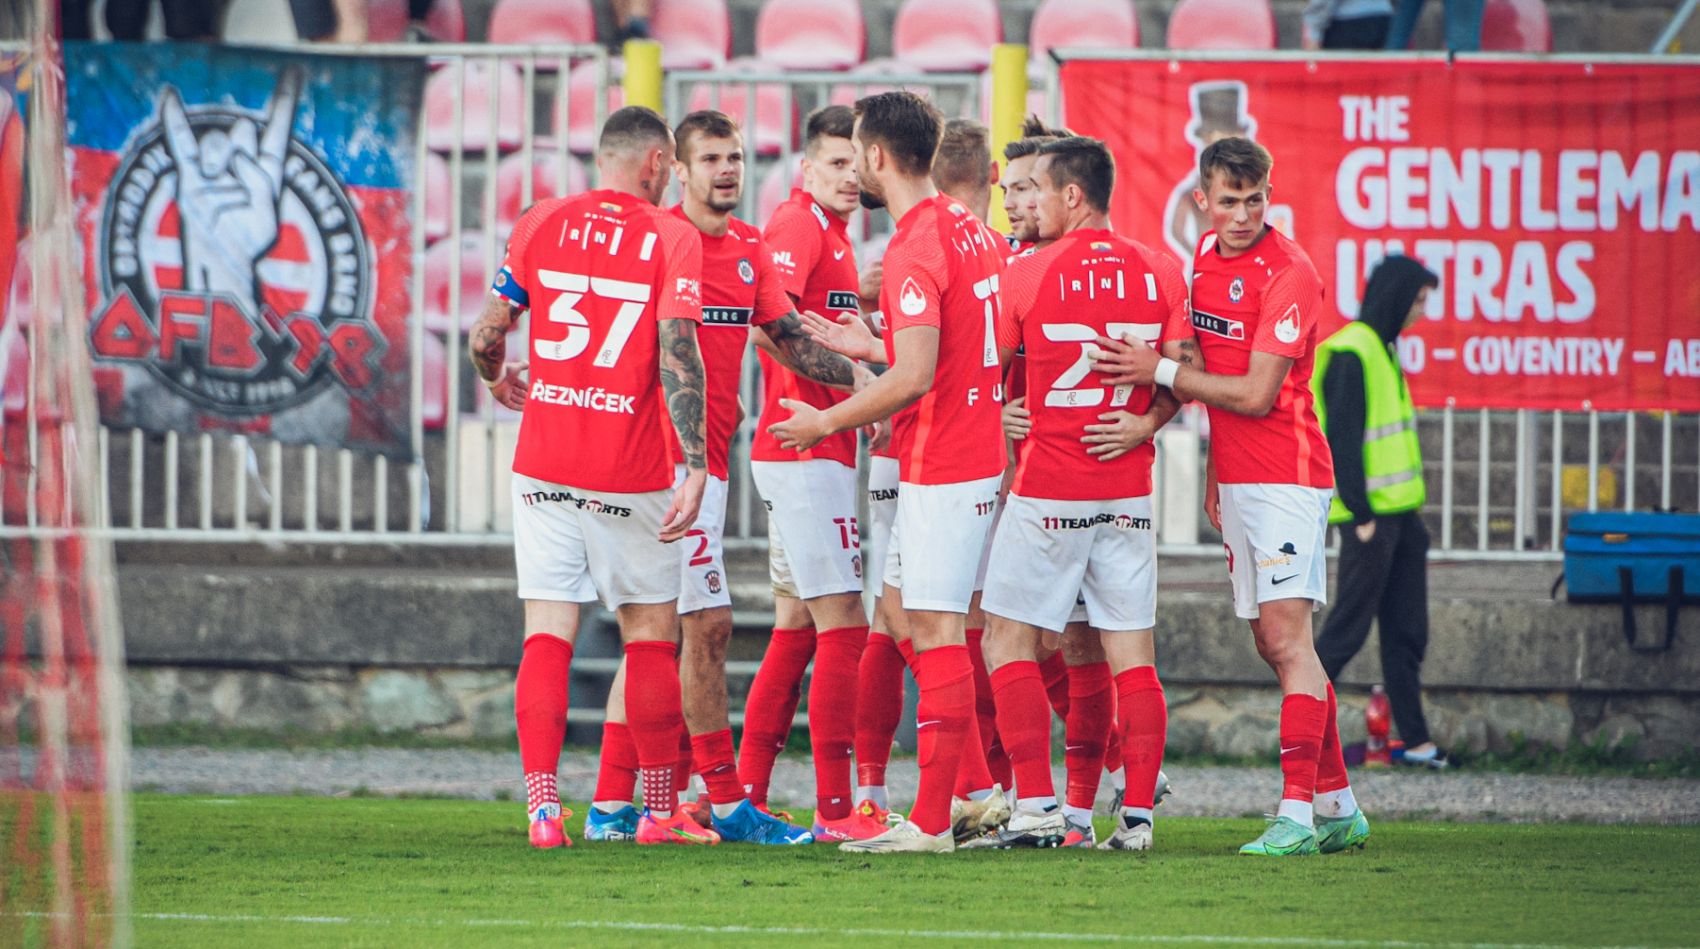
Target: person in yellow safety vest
x=1365, y=409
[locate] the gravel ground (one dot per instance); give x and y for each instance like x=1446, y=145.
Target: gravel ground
x=1199, y=790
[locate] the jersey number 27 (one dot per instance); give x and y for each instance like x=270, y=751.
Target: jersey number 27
x=1067, y=392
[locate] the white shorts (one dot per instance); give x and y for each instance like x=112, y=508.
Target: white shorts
x=937, y=540
x=573, y=545
x=882, y=510
x=702, y=554
x=1047, y=554
x=1275, y=536
x=814, y=544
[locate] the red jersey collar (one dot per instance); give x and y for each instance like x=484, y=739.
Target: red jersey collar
x=804, y=199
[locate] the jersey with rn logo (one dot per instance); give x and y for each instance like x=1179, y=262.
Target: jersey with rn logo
x=598, y=270
x=942, y=270
x=1057, y=302
x=1265, y=300
x=740, y=288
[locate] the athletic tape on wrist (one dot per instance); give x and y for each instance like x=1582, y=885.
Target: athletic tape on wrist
x=1165, y=374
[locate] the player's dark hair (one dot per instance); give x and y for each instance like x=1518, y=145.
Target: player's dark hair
x=1034, y=133
x=632, y=128
x=708, y=123
x=1241, y=161
x=964, y=158
x=905, y=125
x=1084, y=162
x=832, y=121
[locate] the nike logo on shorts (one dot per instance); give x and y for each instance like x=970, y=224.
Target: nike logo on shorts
x=1284, y=579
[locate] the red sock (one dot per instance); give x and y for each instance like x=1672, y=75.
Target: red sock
x=770, y=707
x=879, y=707
x=986, y=711
x=832, y=716
x=906, y=648
x=945, y=714
x=540, y=702
x=1055, y=672
x=1331, y=763
x=1144, y=719
x=1090, y=709
x=1024, y=723
x=682, y=769
x=654, y=717
x=712, y=753
x=616, y=773
x=1113, y=754
x=1302, y=720
x=972, y=772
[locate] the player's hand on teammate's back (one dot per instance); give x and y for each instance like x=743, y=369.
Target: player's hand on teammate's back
x=511, y=386
x=1117, y=434
x=803, y=430
x=1017, y=420
x=687, y=503
x=878, y=435
x=848, y=336
x=1126, y=363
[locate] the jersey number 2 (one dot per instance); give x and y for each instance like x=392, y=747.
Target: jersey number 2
x=575, y=287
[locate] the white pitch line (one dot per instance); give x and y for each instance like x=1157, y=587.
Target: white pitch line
x=970, y=934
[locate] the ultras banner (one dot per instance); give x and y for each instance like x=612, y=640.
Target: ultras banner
x=1558, y=202
x=244, y=216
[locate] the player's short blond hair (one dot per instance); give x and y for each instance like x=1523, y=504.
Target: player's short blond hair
x=1241, y=162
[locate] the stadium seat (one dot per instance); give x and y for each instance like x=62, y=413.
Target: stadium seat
x=386, y=21
x=775, y=117
x=446, y=21
x=1222, y=24
x=438, y=218
x=946, y=35
x=1099, y=24
x=17, y=368
x=505, y=91
x=436, y=382
x=694, y=34
x=473, y=285
x=776, y=187
x=575, y=103
x=1516, y=26
x=545, y=183
x=569, y=22
x=811, y=34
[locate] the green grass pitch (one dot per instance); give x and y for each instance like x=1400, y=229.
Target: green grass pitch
x=298, y=872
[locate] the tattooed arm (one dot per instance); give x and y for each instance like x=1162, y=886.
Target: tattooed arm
x=683, y=386
x=806, y=357
x=487, y=348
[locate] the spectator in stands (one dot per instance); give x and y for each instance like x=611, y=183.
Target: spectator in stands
x=193, y=20
x=417, y=30
x=1365, y=409
x=631, y=21
x=1463, y=25
x=1347, y=24
x=329, y=21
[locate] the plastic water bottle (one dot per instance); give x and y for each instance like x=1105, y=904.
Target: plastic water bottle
x=1378, y=721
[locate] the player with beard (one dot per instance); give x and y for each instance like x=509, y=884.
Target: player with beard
x=741, y=289
x=940, y=295
x=1256, y=299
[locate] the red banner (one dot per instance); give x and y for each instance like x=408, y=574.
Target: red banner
x=1558, y=202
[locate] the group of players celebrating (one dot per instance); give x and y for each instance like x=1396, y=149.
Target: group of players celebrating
x=1009, y=594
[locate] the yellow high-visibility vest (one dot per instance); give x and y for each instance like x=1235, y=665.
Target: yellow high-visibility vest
x=1393, y=462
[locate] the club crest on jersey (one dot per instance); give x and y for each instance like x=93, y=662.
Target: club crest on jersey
x=746, y=273
x=1287, y=327
x=1236, y=290
x=910, y=299
x=712, y=578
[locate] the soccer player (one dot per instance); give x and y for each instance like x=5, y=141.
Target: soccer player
x=814, y=539
x=1256, y=298
x=615, y=282
x=1017, y=179
x=741, y=289
x=940, y=296
x=1073, y=521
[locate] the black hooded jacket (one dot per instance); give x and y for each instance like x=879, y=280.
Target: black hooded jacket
x=1387, y=299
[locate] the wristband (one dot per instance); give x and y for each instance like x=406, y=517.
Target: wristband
x=1165, y=374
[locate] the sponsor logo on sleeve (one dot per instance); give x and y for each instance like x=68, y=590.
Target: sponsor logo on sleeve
x=1287, y=327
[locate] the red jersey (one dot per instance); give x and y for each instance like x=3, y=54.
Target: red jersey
x=1266, y=300
x=942, y=269
x=598, y=270
x=810, y=248
x=740, y=289
x=1056, y=303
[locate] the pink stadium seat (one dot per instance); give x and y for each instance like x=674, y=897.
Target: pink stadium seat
x=1516, y=26
x=1100, y=24
x=575, y=104
x=543, y=21
x=946, y=35
x=811, y=34
x=775, y=118
x=473, y=285
x=503, y=91
x=436, y=382
x=776, y=186
x=1222, y=24
x=545, y=183
x=694, y=34
x=438, y=217
x=446, y=21
x=386, y=21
